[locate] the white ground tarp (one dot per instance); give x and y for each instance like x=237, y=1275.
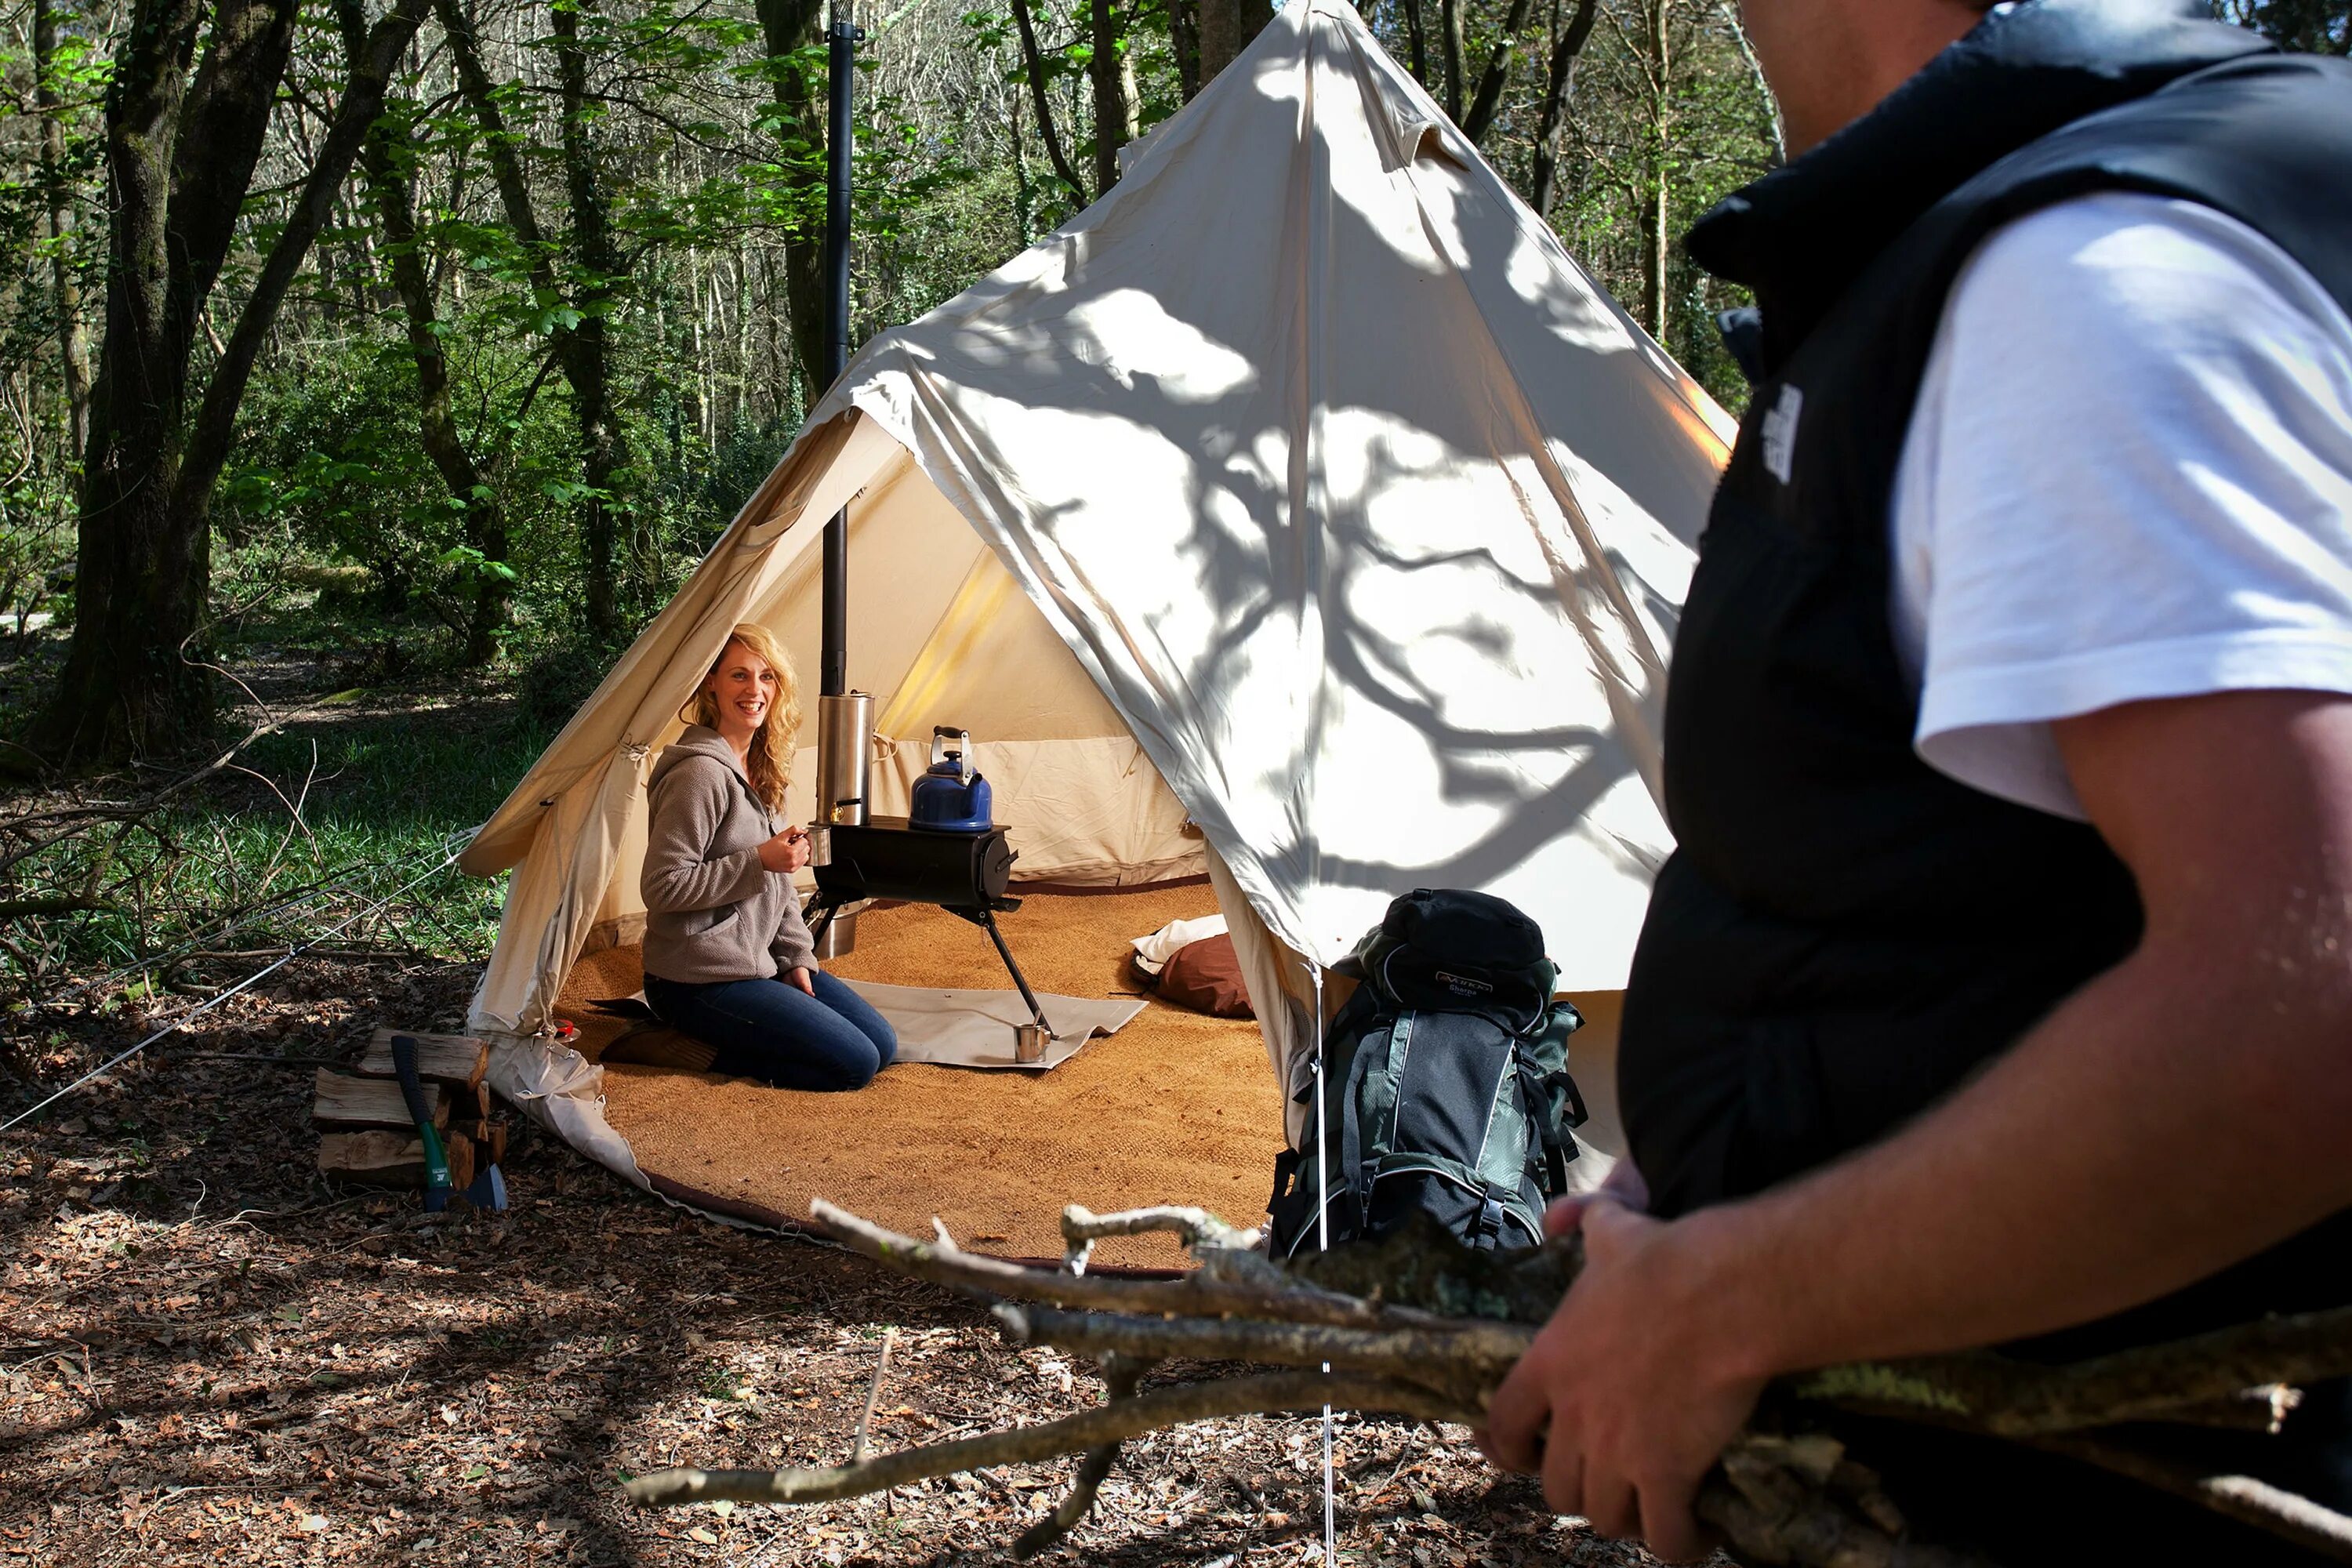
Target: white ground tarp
x=1302, y=488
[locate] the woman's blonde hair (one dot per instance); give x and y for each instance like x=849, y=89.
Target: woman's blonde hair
x=770, y=763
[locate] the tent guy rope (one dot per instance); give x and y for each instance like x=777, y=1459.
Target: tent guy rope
x=222, y=927
x=245, y=985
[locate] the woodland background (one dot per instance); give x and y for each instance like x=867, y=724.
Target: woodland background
x=488, y=314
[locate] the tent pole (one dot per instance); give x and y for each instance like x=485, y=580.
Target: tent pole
x=846, y=719
x=840, y=141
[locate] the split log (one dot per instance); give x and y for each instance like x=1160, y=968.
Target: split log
x=343, y=1100
x=380, y=1159
x=460, y=1151
x=467, y=1102
x=373, y=1159
x=459, y=1060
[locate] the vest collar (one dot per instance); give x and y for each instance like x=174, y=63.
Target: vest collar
x=1802, y=233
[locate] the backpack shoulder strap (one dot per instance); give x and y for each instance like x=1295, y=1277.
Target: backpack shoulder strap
x=1357, y=1161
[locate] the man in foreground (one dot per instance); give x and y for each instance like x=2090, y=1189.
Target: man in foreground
x=2002, y=983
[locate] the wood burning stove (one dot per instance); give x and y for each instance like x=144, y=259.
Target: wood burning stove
x=883, y=857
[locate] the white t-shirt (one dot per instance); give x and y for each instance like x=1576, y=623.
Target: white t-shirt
x=2129, y=476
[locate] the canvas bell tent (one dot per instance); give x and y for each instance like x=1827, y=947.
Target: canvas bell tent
x=1300, y=511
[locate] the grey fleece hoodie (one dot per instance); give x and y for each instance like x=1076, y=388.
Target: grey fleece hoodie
x=712, y=912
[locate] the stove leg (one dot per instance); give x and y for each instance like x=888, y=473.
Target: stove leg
x=987, y=922
x=825, y=910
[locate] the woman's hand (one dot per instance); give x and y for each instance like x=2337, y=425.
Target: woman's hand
x=788, y=851
x=801, y=978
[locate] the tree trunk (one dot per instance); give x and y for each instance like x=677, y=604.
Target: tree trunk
x=579, y=353
x=1032, y=65
x=1226, y=29
x=384, y=164
x=787, y=26
x=1449, y=14
x=1416, y=43
x=1025, y=201
x=1113, y=122
x=357, y=107
x=1656, y=207
x=1184, y=44
x=73, y=344
x=1489, y=96
x=1739, y=29
x=1560, y=82
x=603, y=450
x=180, y=154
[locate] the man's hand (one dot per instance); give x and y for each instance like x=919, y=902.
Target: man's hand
x=1631, y=1392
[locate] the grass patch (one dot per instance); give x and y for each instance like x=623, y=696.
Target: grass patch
x=193, y=895
x=392, y=760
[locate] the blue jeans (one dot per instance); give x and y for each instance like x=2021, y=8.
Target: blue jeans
x=775, y=1031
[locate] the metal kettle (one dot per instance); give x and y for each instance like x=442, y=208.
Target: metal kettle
x=952, y=796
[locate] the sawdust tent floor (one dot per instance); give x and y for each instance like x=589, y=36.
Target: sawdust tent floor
x=1175, y=1108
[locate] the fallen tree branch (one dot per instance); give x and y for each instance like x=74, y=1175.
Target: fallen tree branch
x=1432, y=1328
x=1460, y=1362
x=2007, y=1398
x=62, y=904
x=1120, y=1375
x=2243, y=1498
x=1196, y=1227
x=1198, y=1293
x=1284, y=1391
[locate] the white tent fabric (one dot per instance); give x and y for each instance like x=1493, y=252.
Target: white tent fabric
x=1302, y=488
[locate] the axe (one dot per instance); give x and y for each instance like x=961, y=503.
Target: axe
x=489, y=1190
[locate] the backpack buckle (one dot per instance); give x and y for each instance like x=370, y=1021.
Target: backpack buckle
x=1285, y=1176
x=1488, y=1226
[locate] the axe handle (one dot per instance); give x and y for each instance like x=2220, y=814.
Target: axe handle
x=420, y=1110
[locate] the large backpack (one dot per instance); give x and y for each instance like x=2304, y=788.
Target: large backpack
x=1445, y=1083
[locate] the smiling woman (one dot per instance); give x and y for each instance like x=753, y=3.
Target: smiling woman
x=728, y=956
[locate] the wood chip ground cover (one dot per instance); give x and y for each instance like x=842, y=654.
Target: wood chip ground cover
x=208, y=1356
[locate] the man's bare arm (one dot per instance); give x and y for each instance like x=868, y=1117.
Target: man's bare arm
x=2180, y=1112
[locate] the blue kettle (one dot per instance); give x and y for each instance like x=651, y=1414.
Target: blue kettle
x=951, y=797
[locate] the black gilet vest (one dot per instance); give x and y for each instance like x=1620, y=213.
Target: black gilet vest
x=1843, y=934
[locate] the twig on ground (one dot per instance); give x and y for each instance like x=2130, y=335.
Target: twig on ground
x=873, y=1393
x=1273, y=1392
x=1120, y=1375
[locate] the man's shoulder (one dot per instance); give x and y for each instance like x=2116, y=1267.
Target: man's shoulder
x=2153, y=260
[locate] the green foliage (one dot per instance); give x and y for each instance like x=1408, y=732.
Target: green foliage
x=383, y=798
x=2313, y=27
x=332, y=460
x=706, y=155
x=36, y=544
x=558, y=680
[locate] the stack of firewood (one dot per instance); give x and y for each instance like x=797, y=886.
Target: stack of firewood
x=367, y=1134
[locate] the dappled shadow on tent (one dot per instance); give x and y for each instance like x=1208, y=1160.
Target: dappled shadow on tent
x=1274, y=544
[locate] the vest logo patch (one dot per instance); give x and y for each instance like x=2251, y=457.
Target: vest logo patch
x=1780, y=433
